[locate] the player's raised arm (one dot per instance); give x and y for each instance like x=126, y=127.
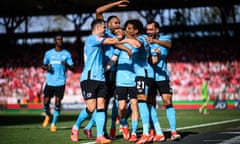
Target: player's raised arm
x=101, y=9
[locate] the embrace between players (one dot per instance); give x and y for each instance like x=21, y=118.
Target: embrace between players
x=130, y=66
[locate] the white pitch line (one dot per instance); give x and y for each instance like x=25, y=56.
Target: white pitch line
x=89, y=142
x=208, y=124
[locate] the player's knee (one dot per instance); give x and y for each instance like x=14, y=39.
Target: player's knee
x=142, y=97
x=168, y=106
x=167, y=101
x=100, y=110
x=122, y=107
x=89, y=110
x=133, y=102
x=58, y=104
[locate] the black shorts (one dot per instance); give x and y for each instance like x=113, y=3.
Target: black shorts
x=51, y=91
x=110, y=82
x=110, y=77
x=152, y=89
x=141, y=85
x=164, y=87
x=125, y=93
x=93, y=89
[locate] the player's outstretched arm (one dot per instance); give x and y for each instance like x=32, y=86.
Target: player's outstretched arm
x=166, y=44
x=135, y=43
x=104, y=8
x=124, y=48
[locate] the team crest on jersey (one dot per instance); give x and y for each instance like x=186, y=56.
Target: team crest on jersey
x=89, y=95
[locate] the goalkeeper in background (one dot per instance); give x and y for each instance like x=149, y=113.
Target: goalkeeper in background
x=205, y=97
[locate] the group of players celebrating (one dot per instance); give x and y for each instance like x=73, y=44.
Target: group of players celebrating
x=129, y=65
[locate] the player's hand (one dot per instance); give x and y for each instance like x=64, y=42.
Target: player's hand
x=129, y=52
x=149, y=39
x=63, y=63
x=123, y=3
x=157, y=51
x=50, y=69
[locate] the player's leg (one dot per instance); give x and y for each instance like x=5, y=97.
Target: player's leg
x=166, y=93
x=88, y=128
x=56, y=113
x=159, y=136
x=129, y=109
x=109, y=95
x=121, y=95
x=59, y=93
x=122, y=117
x=110, y=82
x=134, y=115
x=100, y=114
x=170, y=111
x=114, y=117
x=88, y=90
x=171, y=115
x=143, y=108
x=201, y=107
x=156, y=131
x=83, y=115
x=48, y=94
x=205, y=107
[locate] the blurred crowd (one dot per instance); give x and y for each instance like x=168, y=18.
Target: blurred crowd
x=189, y=61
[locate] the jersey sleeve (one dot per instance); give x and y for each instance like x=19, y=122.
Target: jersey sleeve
x=46, y=59
x=165, y=38
x=69, y=59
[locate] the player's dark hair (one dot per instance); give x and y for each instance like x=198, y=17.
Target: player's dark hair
x=156, y=24
x=58, y=35
x=111, y=17
x=95, y=22
x=137, y=24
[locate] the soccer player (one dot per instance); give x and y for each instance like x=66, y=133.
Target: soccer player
x=162, y=74
x=125, y=86
x=93, y=81
x=156, y=133
x=113, y=22
x=55, y=62
x=134, y=29
x=205, y=98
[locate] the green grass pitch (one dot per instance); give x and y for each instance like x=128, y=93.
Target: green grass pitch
x=24, y=126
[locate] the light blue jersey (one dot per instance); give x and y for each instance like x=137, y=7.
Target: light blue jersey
x=125, y=73
x=149, y=68
x=140, y=59
x=55, y=58
x=93, y=59
x=161, y=70
x=108, y=50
